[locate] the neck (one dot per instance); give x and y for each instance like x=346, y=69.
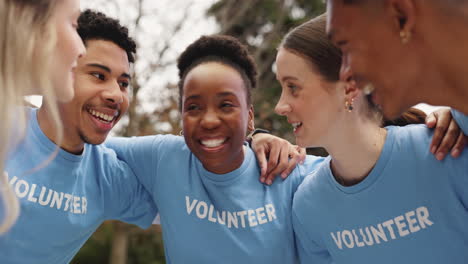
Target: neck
x=355, y=150
x=59, y=135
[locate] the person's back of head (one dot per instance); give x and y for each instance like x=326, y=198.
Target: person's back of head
x=24, y=60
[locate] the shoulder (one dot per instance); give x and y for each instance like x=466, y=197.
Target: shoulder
x=315, y=187
x=411, y=137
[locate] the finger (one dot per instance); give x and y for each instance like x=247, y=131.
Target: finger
x=448, y=140
x=294, y=153
x=443, y=122
x=273, y=157
x=262, y=162
x=291, y=166
x=431, y=120
x=459, y=145
x=282, y=163
x=302, y=154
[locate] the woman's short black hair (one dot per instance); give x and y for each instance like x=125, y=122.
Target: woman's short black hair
x=218, y=48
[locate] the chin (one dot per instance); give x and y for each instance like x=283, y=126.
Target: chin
x=94, y=140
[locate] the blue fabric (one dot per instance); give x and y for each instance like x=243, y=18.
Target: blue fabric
x=411, y=208
x=2, y=208
x=462, y=120
x=212, y=218
x=64, y=202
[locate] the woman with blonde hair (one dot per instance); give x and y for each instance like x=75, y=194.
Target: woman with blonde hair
x=39, y=47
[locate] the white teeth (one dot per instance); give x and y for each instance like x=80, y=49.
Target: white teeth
x=107, y=118
x=368, y=89
x=296, y=125
x=213, y=143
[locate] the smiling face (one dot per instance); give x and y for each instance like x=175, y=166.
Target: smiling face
x=101, y=93
x=310, y=103
x=216, y=116
x=68, y=48
x=368, y=34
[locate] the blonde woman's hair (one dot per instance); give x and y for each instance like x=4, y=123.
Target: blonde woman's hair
x=27, y=40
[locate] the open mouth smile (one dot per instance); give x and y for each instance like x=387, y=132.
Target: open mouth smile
x=213, y=145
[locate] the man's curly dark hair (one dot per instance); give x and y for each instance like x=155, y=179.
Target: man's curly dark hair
x=93, y=25
x=218, y=48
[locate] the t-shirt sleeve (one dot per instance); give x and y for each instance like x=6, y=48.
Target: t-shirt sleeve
x=460, y=176
x=310, y=164
x=462, y=120
x=308, y=250
x=140, y=153
x=129, y=200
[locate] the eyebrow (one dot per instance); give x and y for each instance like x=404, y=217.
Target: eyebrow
x=222, y=94
x=107, y=69
x=285, y=78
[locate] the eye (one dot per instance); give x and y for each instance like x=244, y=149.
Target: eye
x=124, y=84
x=192, y=107
x=226, y=104
x=98, y=75
x=292, y=87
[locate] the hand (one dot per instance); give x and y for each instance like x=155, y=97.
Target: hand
x=275, y=156
x=447, y=135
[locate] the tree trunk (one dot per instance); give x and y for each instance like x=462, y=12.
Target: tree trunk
x=118, y=254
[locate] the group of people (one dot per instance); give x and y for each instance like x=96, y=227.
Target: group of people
x=385, y=194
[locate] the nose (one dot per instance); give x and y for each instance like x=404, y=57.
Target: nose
x=113, y=93
x=210, y=119
x=282, y=107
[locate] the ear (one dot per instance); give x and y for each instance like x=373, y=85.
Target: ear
x=251, y=120
x=351, y=90
x=404, y=14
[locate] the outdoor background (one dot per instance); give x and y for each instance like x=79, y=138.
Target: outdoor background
x=162, y=29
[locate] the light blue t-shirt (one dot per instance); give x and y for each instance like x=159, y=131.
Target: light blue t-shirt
x=64, y=202
x=411, y=208
x=212, y=218
x=462, y=120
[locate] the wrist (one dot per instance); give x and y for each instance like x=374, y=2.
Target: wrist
x=249, y=138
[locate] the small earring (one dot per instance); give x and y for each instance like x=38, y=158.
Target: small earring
x=181, y=133
x=405, y=36
x=349, y=105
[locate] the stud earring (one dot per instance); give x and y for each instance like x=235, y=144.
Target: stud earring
x=405, y=36
x=349, y=105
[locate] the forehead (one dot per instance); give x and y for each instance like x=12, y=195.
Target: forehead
x=213, y=77
x=290, y=64
x=106, y=53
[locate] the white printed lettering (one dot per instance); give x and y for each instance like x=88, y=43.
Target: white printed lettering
x=350, y=242
x=401, y=225
x=261, y=215
x=423, y=217
x=252, y=218
x=270, y=212
x=337, y=239
x=201, y=205
x=210, y=214
x=190, y=206
x=31, y=197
